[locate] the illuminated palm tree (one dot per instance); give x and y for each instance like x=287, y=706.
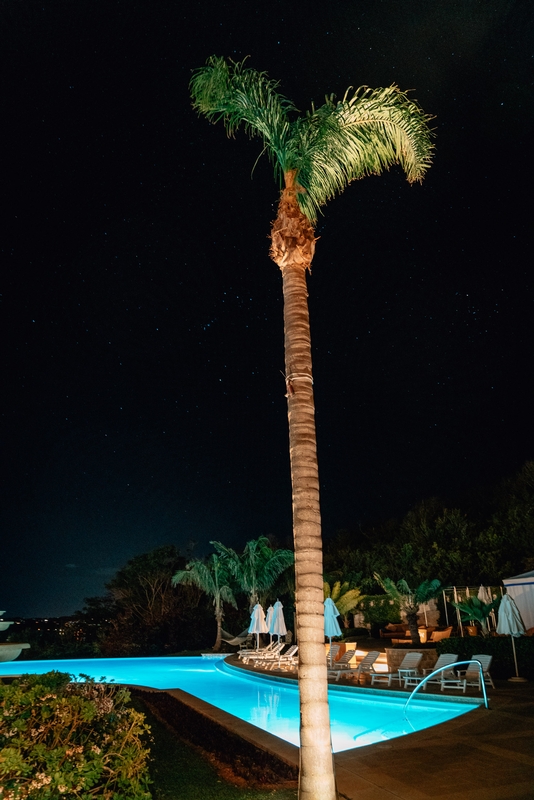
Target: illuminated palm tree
x=257, y=567
x=409, y=600
x=213, y=578
x=315, y=156
x=344, y=598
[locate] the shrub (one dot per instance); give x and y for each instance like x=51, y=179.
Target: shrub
x=379, y=609
x=72, y=740
x=500, y=647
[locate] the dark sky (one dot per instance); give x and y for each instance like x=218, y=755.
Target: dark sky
x=142, y=401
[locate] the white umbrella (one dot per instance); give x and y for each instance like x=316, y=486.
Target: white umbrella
x=278, y=623
x=510, y=624
x=257, y=622
x=268, y=621
x=484, y=594
x=331, y=625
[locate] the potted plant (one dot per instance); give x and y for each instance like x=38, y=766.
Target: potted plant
x=474, y=610
x=409, y=600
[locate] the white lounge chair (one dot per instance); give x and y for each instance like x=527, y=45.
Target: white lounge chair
x=270, y=651
x=343, y=661
x=287, y=660
x=409, y=666
x=364, y=667
x=332, y=653
x=443, y=661
x=471, y=676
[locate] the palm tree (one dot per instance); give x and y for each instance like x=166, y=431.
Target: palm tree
x=315, y=156
x=213, y=578
x=344, y=598
x=409, y=600
x=258, y=566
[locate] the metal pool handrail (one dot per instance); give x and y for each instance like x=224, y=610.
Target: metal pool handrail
x=442, y=669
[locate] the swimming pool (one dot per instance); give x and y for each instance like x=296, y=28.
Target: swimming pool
x=357, y=718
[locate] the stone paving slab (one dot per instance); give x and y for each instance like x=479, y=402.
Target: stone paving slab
x=482, y=755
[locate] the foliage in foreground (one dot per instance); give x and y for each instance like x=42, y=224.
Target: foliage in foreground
x=76, y=740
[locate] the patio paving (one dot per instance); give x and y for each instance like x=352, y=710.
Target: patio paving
x=482, y=755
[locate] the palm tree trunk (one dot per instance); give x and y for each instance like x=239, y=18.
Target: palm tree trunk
x=411, y=619
x=293, y=244
x=218, y=640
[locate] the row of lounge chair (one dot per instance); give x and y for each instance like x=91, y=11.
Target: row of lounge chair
x=275, y=656
x=278, y=655
x=408, y=672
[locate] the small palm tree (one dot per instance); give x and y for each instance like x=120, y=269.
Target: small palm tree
x=257, y=567
x=409, y=600
x=315, y=156
x=473, y=609
x=213, y=578
x=344, y=598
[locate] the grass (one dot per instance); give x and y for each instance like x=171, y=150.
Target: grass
x=181, y=772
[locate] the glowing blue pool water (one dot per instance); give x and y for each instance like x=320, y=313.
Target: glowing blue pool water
x=357, y=718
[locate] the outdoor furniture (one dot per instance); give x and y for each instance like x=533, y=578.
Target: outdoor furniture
x=395, y=631
x=409, y=666
x=274, y=656
x=266, y=652
x=364, y=667
x=289, y=660
x=443, y=661
x=249, y=651
x=471, y=676
x=435, y=636
x=332, y=653
x=343, y=661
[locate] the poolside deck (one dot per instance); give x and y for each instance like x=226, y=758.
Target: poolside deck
x=483, y=755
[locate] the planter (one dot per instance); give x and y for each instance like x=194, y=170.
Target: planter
x=9, y=651
x=395, y=657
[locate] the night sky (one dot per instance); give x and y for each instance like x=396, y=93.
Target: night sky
x=142, y=401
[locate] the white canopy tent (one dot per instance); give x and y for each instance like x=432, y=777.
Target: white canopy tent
x=521, y=588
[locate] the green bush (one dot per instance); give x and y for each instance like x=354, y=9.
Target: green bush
x=70, y=740
x=500, y=647
x=379, y=609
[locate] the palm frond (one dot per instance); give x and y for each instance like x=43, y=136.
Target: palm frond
x=241, y=96
x=427, y=590
x=389, y=587
x=348, y=601
x=196, y=574
x=229, y=556
x=363, y=134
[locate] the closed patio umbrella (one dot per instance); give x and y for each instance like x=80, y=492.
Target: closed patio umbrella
x=484, y=594
x=257, y=623
x=510, y=624
x=268, y=621
x=278, y=623
x=331, y=625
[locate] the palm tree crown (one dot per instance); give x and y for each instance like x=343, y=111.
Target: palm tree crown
x=257, y=567
x=213, y=578
x=362, y=134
